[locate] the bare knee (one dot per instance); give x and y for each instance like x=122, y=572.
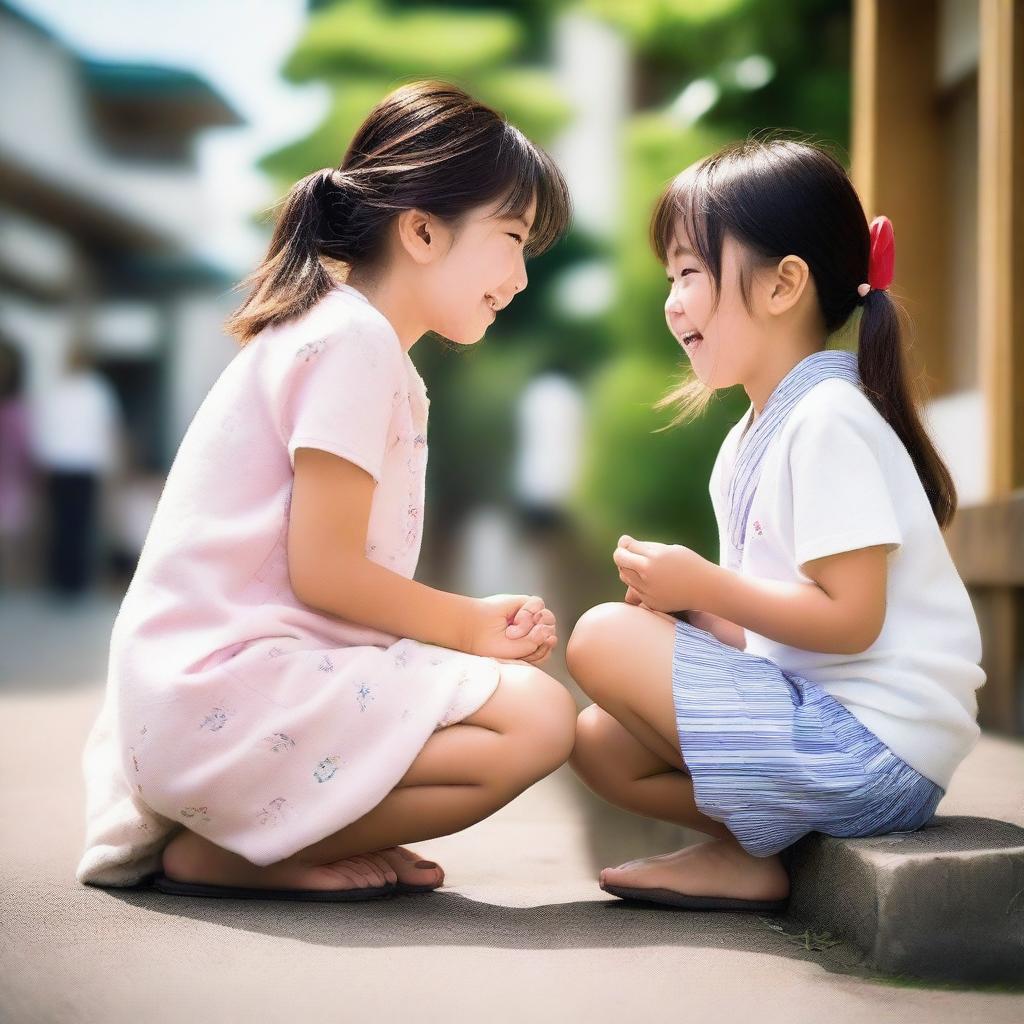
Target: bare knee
x=542, y=728
x=597, y=644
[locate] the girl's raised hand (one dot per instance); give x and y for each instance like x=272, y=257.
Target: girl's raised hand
x=513, y=627
x=664, y=577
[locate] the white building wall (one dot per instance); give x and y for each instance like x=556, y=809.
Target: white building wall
x=45, y=126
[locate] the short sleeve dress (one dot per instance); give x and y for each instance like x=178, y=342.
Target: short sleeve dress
x=232, y=708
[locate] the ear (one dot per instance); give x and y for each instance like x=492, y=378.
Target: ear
x=418, y=234
x=787, y=284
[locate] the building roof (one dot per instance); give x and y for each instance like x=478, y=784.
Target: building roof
x=187, y=101
x=156, y=87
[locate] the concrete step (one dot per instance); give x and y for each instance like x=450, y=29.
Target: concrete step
x=943, y=903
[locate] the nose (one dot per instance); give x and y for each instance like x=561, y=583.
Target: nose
x=520, y=279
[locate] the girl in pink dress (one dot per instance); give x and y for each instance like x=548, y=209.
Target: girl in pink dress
x=285, y=704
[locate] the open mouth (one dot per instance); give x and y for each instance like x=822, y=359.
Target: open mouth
x=691, y=339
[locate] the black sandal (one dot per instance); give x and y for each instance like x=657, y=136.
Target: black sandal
x=173, y=888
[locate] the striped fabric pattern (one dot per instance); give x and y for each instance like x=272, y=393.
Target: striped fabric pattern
x=811, y=370
x=772, y=756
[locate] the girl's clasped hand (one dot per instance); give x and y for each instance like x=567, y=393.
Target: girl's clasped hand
x=513, y=627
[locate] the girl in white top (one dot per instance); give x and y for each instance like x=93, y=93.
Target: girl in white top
x=285, y=704
x=823, y=675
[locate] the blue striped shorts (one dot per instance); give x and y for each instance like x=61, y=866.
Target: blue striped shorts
x=772, y=756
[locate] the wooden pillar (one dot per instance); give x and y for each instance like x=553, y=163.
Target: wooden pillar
x=1001, y=355
x=987, y=541
x=1001, y=238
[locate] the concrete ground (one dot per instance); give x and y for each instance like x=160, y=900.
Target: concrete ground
x=520, y=930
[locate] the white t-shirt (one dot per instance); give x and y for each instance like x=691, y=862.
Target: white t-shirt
x=836, y=478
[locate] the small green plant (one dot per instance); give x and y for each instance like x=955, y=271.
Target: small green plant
x=812, y=942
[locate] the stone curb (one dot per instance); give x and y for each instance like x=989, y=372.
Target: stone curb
x=943, y=903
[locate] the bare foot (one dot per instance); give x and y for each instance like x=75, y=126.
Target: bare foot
x=718, y=867
x=412, y=869
x=190, y=858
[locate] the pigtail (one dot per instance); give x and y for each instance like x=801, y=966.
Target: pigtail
x=883, y=372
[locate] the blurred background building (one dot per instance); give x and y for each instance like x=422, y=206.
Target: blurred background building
x=117, y=254
x=101, y=219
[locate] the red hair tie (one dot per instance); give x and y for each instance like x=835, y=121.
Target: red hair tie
x=883, y=256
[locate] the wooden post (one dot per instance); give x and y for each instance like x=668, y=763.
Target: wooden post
x=1001, y=356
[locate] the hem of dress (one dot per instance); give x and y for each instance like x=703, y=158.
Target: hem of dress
x=296, y=842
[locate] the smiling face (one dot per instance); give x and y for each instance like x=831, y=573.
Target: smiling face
x=483, y=268
x=721, y=342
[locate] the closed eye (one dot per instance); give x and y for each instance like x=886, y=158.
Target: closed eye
x=682, y=273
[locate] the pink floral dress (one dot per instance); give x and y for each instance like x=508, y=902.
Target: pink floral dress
x=232, y=708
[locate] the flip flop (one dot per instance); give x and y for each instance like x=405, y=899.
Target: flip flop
x=407, y=889
x=666, y=897
x=168, y=885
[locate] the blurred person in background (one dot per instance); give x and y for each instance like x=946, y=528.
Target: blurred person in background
x=550, y=421
x=75, y=439
x=16, y=465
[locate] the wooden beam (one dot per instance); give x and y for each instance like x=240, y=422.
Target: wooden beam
x=987, y=542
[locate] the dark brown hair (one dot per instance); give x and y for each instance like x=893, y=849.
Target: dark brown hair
x=779, y=197
x=426, y=146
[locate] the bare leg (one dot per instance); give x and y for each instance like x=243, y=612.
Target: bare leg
x=463, y=774
x=616, y=766
x=627, y=750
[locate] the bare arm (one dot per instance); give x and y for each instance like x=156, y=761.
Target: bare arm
x=841, y=612
x=329, y=570
x=724, y=630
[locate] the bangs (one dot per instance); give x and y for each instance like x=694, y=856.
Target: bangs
x=684, y=214
x=530, y=173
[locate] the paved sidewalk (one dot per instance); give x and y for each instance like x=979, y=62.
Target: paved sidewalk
x=520, y=931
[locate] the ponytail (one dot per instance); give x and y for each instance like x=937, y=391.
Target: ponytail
x=292, y=277
x=882, y=367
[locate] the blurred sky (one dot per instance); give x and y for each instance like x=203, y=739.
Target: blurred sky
x=238, y=47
